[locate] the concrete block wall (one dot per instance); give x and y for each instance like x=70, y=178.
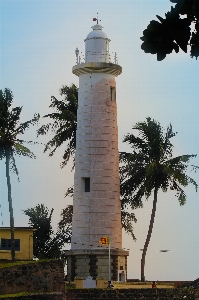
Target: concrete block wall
x=96, y=213
x=127, y=294
x=131, y=294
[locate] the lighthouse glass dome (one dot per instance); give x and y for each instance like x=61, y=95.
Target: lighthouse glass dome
x=97, y=45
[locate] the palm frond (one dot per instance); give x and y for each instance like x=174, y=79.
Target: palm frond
x=23, y=126
x=10, y=128
x=151, y=164
x=13, y=165
x=127, y=222
x=19, y=149
x=64, y=123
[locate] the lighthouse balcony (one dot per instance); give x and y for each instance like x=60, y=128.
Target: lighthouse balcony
x=97, y=67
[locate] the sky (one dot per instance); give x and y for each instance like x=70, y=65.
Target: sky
x=37, y=52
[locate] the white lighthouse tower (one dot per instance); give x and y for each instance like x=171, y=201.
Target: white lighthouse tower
x=96, y=206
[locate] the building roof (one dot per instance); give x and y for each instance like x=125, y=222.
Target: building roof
x=18, y=228
x=96, y=33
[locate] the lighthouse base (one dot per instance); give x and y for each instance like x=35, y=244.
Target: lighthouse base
x=95, y=263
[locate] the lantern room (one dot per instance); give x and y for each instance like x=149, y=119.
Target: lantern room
x=97, y=45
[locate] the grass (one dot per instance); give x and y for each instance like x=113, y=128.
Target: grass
x=141, y=285
x=14, y=295
x=21, y=262
x=5, y=296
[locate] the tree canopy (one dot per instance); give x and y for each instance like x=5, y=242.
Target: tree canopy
x=151, y=167
x=178, y=29
x=46, y=242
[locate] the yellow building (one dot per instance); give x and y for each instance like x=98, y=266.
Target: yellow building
x=23, y=243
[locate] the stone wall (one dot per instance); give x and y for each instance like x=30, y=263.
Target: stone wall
x=130, y=294
x=125, y=294
x=46, y=276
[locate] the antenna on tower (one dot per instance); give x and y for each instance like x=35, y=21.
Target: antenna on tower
x=96, y=19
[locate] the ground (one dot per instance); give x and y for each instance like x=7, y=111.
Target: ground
x=140, y=285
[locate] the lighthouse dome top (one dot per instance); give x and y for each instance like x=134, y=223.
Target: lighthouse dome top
x=97, y=33
x=97, y=45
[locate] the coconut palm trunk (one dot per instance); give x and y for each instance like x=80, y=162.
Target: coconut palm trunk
x=148, y=234
x=10, y=205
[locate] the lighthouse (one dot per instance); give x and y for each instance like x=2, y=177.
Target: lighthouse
x=96, y=203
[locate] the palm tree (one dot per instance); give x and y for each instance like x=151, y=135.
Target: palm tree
x=151, y=167
x=64, y=123
x=11, y=145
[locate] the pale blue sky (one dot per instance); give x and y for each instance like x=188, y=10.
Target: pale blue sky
x=37, y=43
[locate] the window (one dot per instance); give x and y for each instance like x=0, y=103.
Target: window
x=113, y=93
x=6, y=244
x=87, y=184
x=107, y=46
